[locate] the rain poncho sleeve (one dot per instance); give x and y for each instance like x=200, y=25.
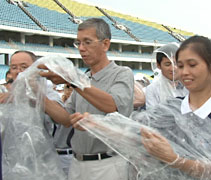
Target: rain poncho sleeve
x=28, y=151
x=189, y=138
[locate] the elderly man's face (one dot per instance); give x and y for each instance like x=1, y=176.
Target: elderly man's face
x=19, y=62
x=92, y=50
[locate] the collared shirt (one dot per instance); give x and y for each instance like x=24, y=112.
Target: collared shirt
x=117, y=81
x=188, y=133
x=201, y=112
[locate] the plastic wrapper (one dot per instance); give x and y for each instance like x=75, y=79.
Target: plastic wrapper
x=188, y=138
x=28, y=151
x=65, y=69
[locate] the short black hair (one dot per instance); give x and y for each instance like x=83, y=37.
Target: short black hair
x=159, y=57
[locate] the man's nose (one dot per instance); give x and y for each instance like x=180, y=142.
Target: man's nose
x=81, y=47
x=20, y=69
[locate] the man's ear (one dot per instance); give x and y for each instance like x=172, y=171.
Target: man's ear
x=106, y=44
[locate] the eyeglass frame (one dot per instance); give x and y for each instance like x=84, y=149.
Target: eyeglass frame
x=85, y=43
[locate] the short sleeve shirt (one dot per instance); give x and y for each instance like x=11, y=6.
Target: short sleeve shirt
x=117, y=81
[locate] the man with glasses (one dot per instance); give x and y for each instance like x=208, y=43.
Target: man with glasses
x=111, y=90
x=19, y=62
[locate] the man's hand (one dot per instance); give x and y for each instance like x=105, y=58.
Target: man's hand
x=56, y=79
x=74, y=118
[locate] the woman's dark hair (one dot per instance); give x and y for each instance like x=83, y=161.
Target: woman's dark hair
x=200, y=45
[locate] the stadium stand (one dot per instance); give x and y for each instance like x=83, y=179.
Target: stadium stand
x=56, y=20
x=44, y=27
x=3, y=70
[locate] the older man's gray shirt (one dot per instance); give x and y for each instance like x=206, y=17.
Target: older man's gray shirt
x=116, y=80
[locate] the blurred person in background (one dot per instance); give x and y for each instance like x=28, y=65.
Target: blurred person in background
x=5, y=85
x=140, y=84
x=67, y=92
x=9, y=80
x=19, y=62
x=166, y=84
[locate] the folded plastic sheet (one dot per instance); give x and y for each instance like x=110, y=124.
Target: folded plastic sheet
x=65, y=69
x=189, y=138
x=28, y=151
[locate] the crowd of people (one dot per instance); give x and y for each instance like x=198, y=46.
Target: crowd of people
x=184, y=84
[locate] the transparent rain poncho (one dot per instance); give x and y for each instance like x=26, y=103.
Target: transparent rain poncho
x=167, y=88
x=190, y=138
x=28, y=151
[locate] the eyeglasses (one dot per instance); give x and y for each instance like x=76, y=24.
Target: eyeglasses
x=21, y=67
x=85, y=43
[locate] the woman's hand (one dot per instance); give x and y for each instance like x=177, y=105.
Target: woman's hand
x=158, y=146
